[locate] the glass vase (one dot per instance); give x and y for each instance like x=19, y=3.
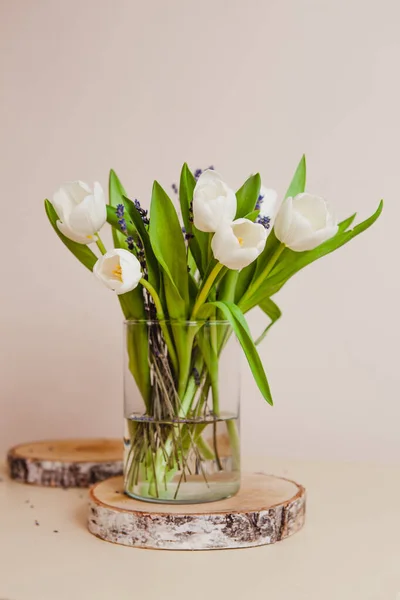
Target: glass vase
x=182, y=392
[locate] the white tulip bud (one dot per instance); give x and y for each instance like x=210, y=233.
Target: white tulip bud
x=213, y=202
x=304, y=222
x=237, y=244
x=119, y=270
x=81, y=211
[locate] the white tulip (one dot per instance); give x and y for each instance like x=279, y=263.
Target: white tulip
x=81, y=211
x=304, y=222
x=119, y=270
x=213, y=202
x=237, y=244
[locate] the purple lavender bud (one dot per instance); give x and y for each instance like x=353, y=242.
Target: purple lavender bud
x=120, y=209
x=259, y=202
x=264, y=221
x=174, y=188
x=197, y=173
x=142, y=212
x=122, y=224
x=130, y=241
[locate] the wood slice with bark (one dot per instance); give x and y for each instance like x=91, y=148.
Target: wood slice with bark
x=66, y=463
x=267, y=509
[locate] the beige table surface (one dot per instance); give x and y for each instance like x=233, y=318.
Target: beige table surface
x=349, y=548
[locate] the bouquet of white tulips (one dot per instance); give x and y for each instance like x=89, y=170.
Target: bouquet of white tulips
x=229, y=253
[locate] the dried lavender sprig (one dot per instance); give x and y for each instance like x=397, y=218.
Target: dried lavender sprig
x=131, y=242
x=139, y=250
x=142, y=212
x=260, y=200
x=188, y=236
x=123, y=225
x=264, y=221
x=120, y=210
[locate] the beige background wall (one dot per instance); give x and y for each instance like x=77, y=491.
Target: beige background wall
x=143, y=86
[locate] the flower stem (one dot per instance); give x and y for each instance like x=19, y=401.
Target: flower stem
x=100, y=245
x=260, y=279
x=161, y=318
x=205, y=290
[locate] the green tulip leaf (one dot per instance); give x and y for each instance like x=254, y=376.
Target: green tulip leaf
x=187, y=184
x=227, y=285
x=252, y=216
x=169, y=248
x=262, y=261
x=137, y=341
x=273, y=312
x=344, y=225
x=244, y=280
x=199, y=243
x=247, y=196
x=234, y=315
x=298, y=183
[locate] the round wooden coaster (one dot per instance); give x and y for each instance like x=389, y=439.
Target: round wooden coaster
x=66, y=463
x=265, y=510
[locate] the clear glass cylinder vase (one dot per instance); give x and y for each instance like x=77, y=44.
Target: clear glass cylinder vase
x=182, y=396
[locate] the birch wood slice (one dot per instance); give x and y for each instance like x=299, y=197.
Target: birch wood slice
x=66, y=463
x=267, y=509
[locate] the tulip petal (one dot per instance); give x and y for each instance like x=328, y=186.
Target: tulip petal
x=77, y=190
x=88, y=216
x=119, y=270
x=81, y=217
x=99, y=216
x=315, y=239
x=213, y=202
x=251, y=234
x=209, y=178
x=81, y=213
x=269, y=203
x=131, y=272
x=313, y=208
x=239, y=243
x=63, y=204
x=284, y=219
x=75, y=236
x=299, y=228
x=304, y=222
